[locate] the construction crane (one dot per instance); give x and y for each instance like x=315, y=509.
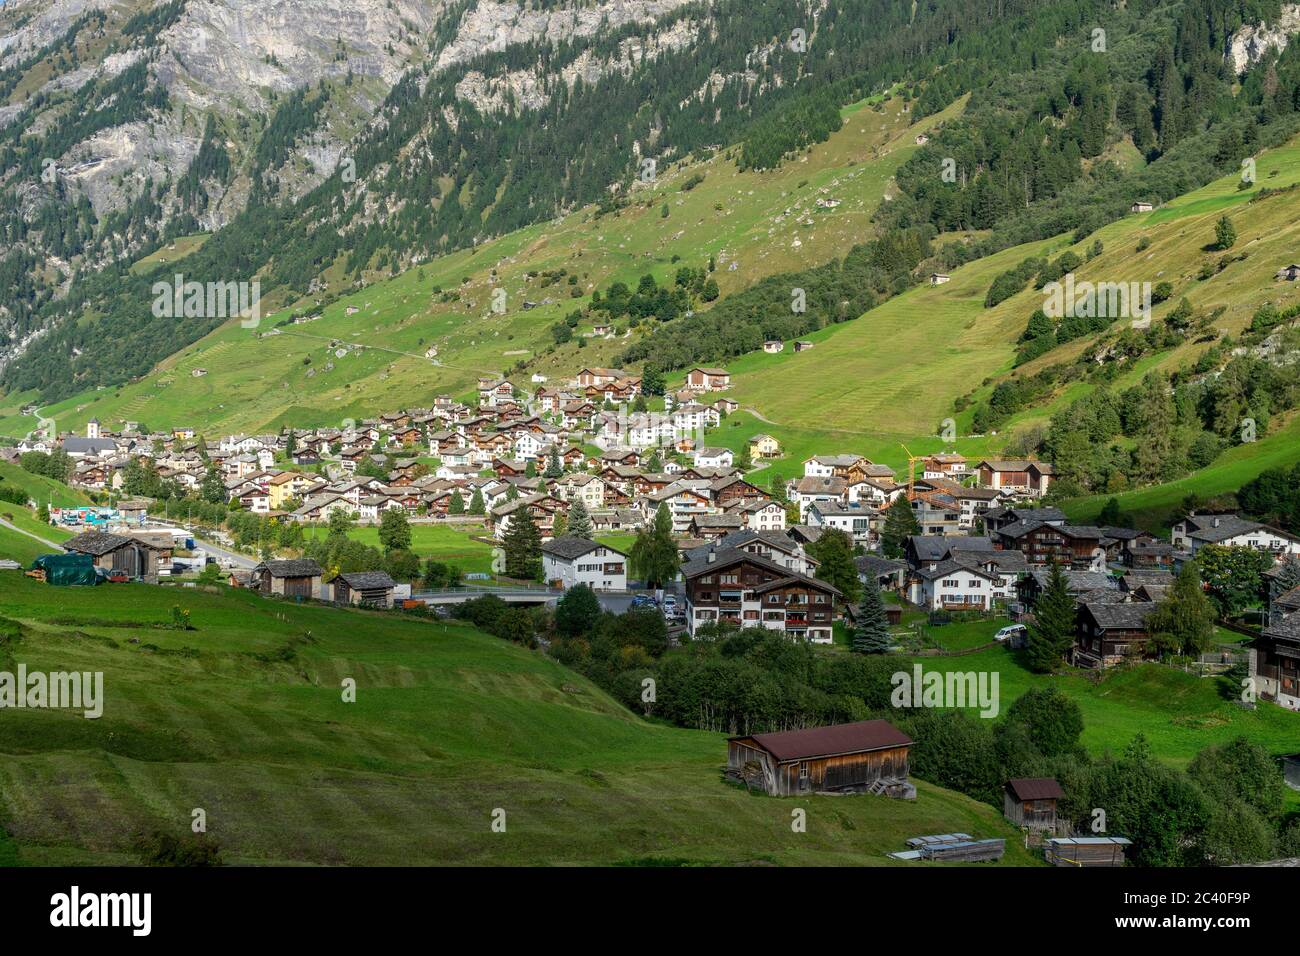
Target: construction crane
x=911, y=470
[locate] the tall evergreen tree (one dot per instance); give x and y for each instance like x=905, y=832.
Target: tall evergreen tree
x=1052, y=633
x=554, y=467
x=476, y=506
x=580, y=521
x=871, y=629
x=523, y=546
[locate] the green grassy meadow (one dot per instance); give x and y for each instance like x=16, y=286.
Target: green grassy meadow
x=449, y=544
x=243, y=717
x=1179, y=713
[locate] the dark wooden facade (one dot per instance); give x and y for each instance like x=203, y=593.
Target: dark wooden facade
x=1277, y=662
x=1031, y=802
x=1069, y=547
x=841, y=758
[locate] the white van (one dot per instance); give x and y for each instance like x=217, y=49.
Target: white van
x=1010, y=631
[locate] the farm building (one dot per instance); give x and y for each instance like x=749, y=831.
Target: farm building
x=368, y=588
x=298, y=578
x=870, y=755
x=137, y=557
x=1086, y=851
x=1141, y=206
x=1031, y=802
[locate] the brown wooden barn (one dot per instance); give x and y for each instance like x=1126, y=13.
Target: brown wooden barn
x=297, y=578
x=1031, y=802
x=365, y=588
x=136, y=556
x=867, y=755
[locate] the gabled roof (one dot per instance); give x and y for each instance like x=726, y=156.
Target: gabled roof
x=1128, y=616
x=94, y=542
x=777, y=540
x=944, y=568
x=859, y=737
x=567, y=546
x=937, y=547
x=1035, y=788
x=367, y=580
x=1229, y=526
x=291, y=568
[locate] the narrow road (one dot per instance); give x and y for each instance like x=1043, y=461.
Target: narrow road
x=13, y=527
x=226, y=556
x=222, y=554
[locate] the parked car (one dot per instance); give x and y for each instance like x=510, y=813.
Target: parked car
x=643, y=600
x=1010, y=632
x=117, y=576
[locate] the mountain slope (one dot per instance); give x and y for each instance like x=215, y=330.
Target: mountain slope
x=763, y=222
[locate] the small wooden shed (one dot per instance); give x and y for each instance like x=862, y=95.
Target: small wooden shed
x=1031, y=802
x=294, y=578
x=869, y=755
x=365, y=588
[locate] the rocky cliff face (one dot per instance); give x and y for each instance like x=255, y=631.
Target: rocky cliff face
x=237, y=60
x=1250, y=43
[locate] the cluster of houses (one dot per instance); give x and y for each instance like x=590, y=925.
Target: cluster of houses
x=985, y=541
x=951, y=497
x=493, y=450
x=1116, y=576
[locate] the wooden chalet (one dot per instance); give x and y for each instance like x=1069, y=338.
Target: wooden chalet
x=870, y=755
x=1277, y=661
x=1071, y=546
x=1109, y=633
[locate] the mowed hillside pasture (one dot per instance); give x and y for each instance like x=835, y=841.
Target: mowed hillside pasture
x=749, y=219
x=1180, y=233
x=243, y=717
x=893, y=373
x=38, y=488
x=27, y=539
x=892, y=376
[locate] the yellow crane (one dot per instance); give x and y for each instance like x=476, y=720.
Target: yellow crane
x=911, y=470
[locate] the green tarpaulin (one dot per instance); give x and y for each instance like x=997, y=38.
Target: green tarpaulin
x=67, y=569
